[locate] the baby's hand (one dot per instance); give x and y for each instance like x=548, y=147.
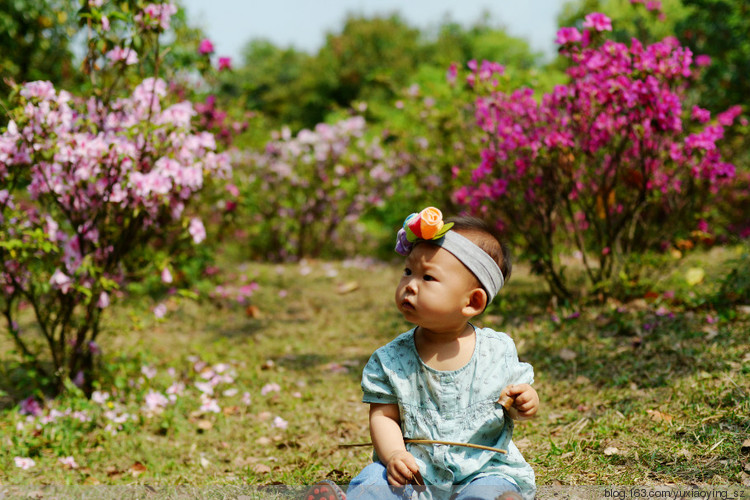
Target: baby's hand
x=526, y=401
x=401, y=468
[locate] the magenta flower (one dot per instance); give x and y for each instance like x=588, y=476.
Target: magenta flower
x=206, y=47
x=700, y=115
x=225, y=63
x=598, y=21
x=30, y=406
x=568, y=35
x=702, y=60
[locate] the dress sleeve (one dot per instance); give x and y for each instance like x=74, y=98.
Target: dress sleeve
x=519, y=372
x=376, y=385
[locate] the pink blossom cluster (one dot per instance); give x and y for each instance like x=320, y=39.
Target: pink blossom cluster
x=619, y=124
x=156, y=15
x=309, y=190
x=598, y=160
x=98, y=179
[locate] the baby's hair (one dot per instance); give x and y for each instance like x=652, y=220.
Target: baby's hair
x=485, y=237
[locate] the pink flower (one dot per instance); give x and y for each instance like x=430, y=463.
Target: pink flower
x=280, y=423
x=105, y=23
x=68, y=462
x=197, y=230
x=209, y=404
x=450, y=76
x=103, y=300
x=148, y=371
x=246, y=399
x=166, y=276
x=61, y=281
x=24, y=463
x=270, y=388
x=155, y=402
x=156, y=15
x=99, y=397
x=225, y=63
x=568, y=35
x=206, y=47
x=119, y=54
x=160, y=311
x=598, y=21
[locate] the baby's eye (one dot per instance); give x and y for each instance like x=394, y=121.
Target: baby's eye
x=428, y=277
x=407, y=271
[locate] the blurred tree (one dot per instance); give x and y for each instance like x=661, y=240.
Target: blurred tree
x=35, y=36
x=279, y=82
x=370, y=59
x=719, y=29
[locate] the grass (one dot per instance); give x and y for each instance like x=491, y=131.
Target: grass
x=650, y=391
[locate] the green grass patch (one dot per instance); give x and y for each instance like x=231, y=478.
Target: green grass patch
x=653, y=390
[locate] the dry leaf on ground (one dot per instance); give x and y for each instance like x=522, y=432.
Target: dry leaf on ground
x=658, y=416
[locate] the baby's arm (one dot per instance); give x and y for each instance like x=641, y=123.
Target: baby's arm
x=385, y=430
x=525, y=401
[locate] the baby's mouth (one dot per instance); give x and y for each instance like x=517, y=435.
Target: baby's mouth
x=405, y=304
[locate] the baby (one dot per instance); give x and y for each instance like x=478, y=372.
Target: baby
x=442, y=379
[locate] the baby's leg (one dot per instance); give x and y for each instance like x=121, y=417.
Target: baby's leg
x=372, y=484
x=490, y=488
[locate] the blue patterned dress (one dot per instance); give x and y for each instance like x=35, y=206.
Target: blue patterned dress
x=459, y=406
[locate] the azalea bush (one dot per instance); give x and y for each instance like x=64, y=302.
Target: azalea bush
x=306, y=193
x=95, y=191
x=615, y=160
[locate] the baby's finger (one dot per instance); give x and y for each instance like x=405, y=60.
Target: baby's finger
x=517, y=390
x=411, y=464
x=404, y=471
x=527, y=410
x=396, y=479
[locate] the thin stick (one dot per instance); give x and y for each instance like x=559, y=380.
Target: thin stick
x=432, y=441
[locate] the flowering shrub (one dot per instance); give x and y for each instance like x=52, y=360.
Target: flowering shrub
x=611, y=161
x=306, y=193
x=87, y=186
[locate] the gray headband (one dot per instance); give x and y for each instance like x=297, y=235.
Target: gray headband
x=475, y=259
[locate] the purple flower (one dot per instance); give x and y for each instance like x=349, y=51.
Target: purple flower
x=403, y=245
x=31, y=406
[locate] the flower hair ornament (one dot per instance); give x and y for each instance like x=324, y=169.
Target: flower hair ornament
x=428, y=226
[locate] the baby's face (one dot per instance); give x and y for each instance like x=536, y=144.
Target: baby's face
x=434, y=288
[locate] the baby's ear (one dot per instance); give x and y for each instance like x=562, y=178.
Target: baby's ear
x=476, y=304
